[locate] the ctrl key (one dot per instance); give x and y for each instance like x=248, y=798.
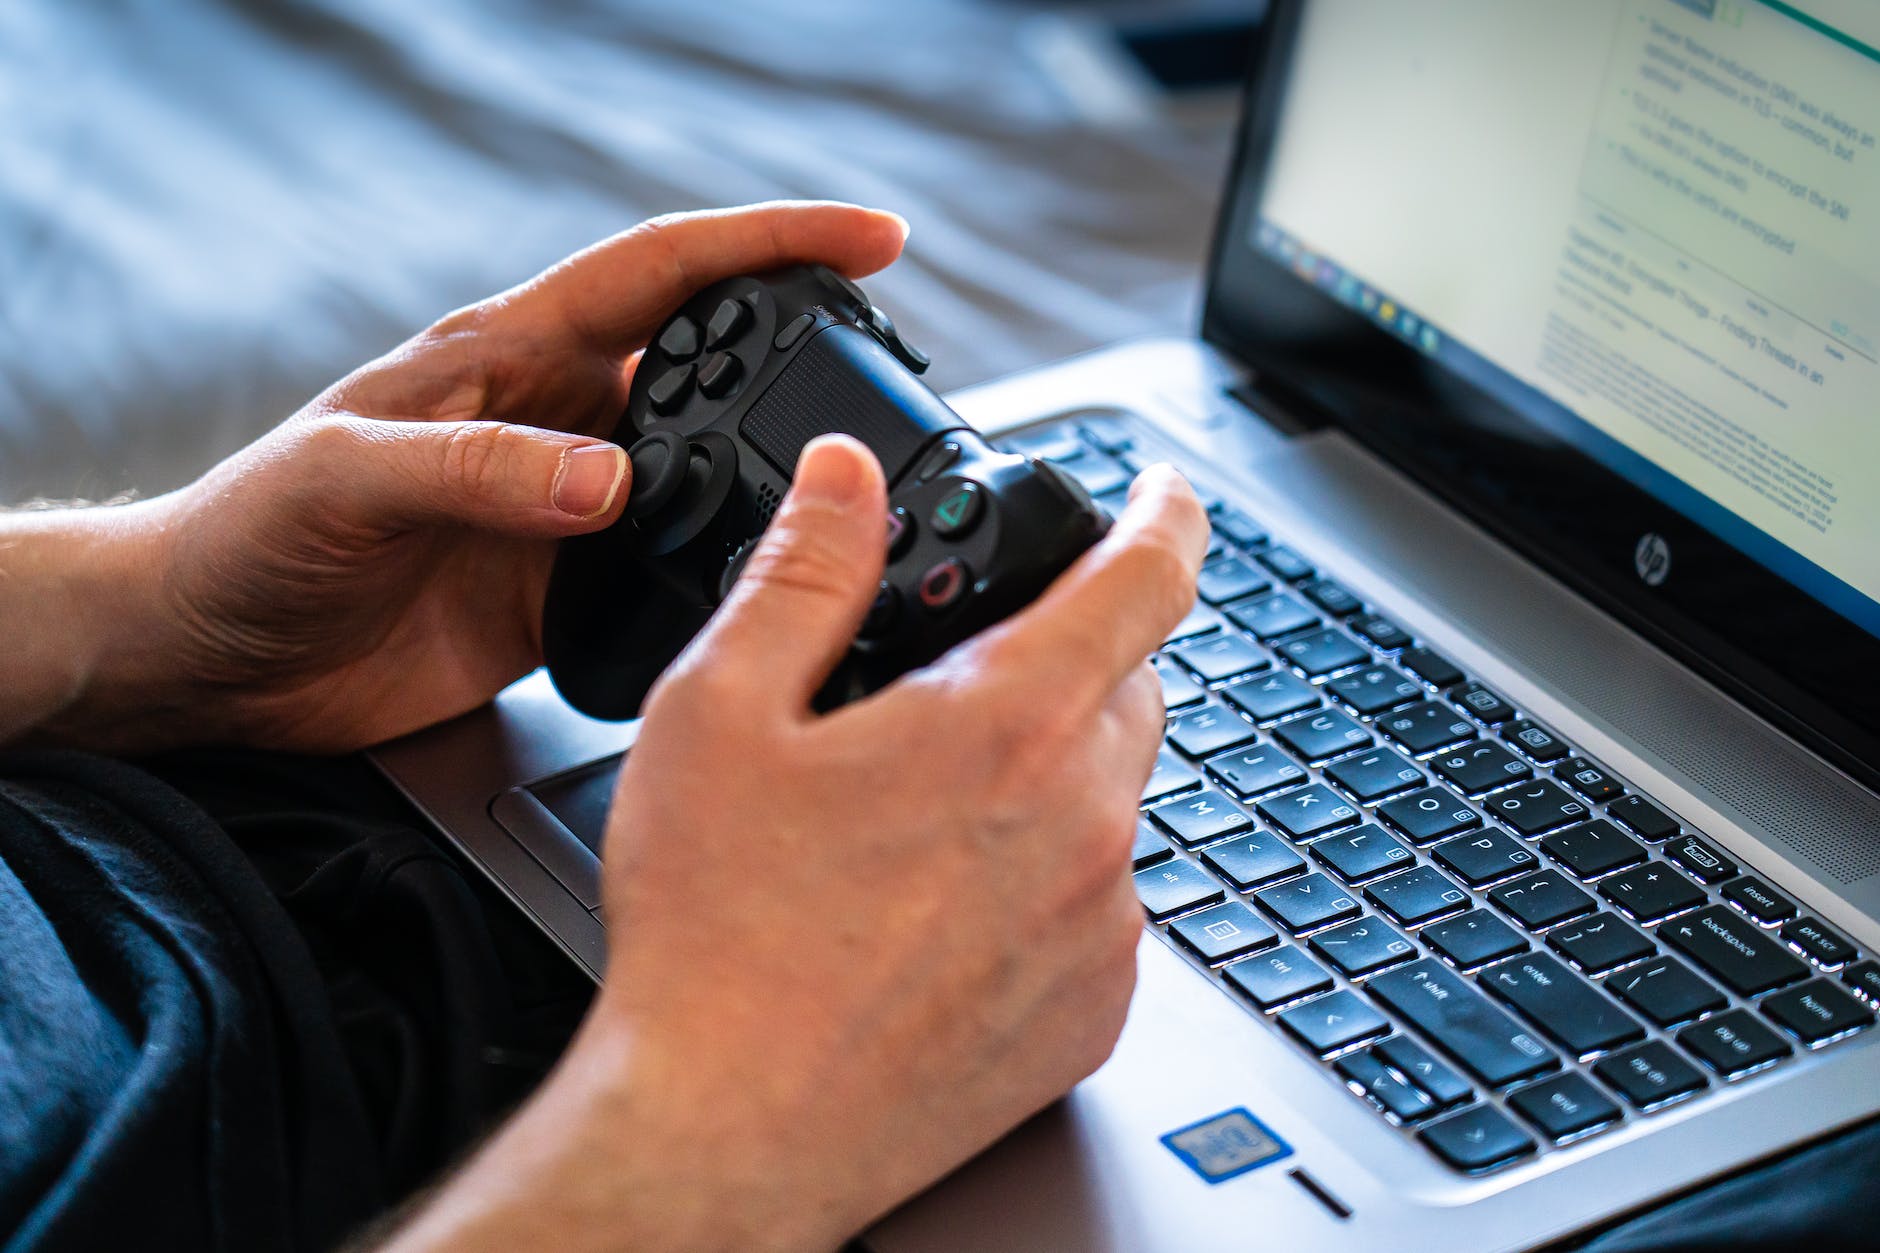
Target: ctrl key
x=1478, y=1139
x=1274, y=978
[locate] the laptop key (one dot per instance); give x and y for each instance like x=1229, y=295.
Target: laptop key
x=1178, y=687
x=1536, y=806
x=1150, y=846
x=1593, y=848
x=1864, y=979
x=1374, y=1079
x=1307, y=812
x=1426, y=726
x=1484, y=857
x=1098, y=473
x=1196, y=819
x=1817, y=1010
x=1361, y=947
x=1733, y=1043
x=1536, y=740
x=1286, y=563
x=1746, y=958
x=1321, y=652
x=1373, y=689
x=1274, y=978
x=1269, y=617
x=1564, y=1106
x=1599, y=943
x=1589, y=780
x=1171, y=775
x=1200, y=621
x=1230, y=578
x=1209, y=729
x=1758, y=899
x=1480, y=767
x=1362, y=853
x=1432, y=667
x=1316, y=736
x=1431, y=1077
x=1651, y=891
x=1417, y=895
x=1332, y=1022
x=1429, y=814
x=1253, y=859
x=1482, y=703
x=1333, y=598
x=1817, y=943
x=1700, y=860
x=1374, y=775
x=1382, y=632
x=1463, y=1022
x=1665, y=991
x=1579, y=1017
x=1302, y=904
x=1643, y=818
x=1478, y=1139
x=1252, y=771
x=1238, y=527
x=1474, y=939
x=1649, y=1075
x=1541, y=900
x=1218, y=657
x=1272, y=695
x=1175, y=887
x=1223, y=931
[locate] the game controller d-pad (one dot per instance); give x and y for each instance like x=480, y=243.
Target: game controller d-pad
x=738, y=380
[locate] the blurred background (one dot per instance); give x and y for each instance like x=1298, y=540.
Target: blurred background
x=209, y=209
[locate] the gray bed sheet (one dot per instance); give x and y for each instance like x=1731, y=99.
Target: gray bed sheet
x=209, y=209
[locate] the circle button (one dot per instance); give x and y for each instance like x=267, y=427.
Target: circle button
x=944, y=584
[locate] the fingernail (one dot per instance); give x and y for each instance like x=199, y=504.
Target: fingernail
x=906, y=227
x=830, y=472
x=588, y=478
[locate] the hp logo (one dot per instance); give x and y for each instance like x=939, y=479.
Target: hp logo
x=1652, y=558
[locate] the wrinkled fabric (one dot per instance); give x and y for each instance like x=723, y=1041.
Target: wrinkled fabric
x=210, y=209
x=246, y=1019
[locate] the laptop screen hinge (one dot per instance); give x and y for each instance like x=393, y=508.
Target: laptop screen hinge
x=1284, y=408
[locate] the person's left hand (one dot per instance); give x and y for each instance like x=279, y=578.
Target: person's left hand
x=378, y=563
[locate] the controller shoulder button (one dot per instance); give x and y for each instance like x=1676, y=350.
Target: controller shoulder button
x=680, y=339
x=718, y=375
x=668, y=391
x=787, y=337
x=943, y=584
x=959, y=510
x=727, y=323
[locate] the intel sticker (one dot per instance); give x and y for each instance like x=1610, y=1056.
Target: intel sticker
x=1226, y=1145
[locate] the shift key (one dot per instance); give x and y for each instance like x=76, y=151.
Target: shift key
x=1436, y=1001
x=1733, y=948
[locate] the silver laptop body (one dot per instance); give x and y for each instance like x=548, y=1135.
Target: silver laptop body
x=1223, y=1124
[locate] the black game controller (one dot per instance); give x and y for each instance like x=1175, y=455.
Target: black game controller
x=732, y=388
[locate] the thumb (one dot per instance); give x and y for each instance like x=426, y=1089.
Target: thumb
x=490, y=476
x=802, y=596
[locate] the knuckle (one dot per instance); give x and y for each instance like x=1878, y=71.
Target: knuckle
x=801, y=559
x=475, y=454
x=1165, y=578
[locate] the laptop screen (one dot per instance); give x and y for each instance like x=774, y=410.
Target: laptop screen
x=1646, y=231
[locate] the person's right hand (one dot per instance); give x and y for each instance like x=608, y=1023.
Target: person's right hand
x=850, y=950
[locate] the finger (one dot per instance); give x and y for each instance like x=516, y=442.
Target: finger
x=1116, y=604
x=614, y=294
x=796, y=608
x=490, y=476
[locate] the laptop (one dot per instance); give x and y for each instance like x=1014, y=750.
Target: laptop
x=1513, y=860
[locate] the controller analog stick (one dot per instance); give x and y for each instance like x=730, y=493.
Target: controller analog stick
x=659, y=466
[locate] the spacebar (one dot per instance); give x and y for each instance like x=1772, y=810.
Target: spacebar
x=1462, y=1021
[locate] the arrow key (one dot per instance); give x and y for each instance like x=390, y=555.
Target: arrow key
x=1332, y=1022
x=1477, y=1139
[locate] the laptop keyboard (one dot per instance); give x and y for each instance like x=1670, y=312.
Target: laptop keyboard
x=1488, y=937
